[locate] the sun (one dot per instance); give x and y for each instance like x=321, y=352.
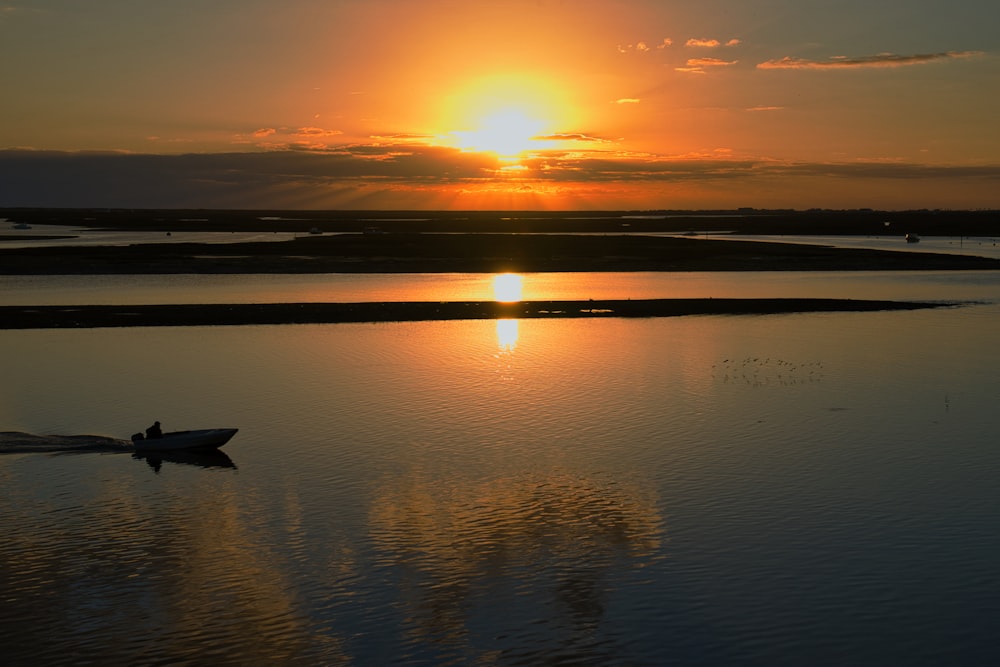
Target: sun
x=507, y=115
x=507, y=132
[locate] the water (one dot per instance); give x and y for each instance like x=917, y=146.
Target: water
x=980, y=246
x=69, y=235
x=795, y=489
x=343, y=288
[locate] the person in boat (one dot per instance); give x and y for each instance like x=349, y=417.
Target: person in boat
x=154, y=431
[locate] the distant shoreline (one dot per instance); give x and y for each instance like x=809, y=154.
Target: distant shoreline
x=743, y=221
x=76, y=317
x=419, y=252
x=488, y=241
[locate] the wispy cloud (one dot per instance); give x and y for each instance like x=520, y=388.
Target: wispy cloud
x=699, y=65
x=401, y=137
x=710, y=43
x=628, y=100
x=710, y=62
x=316, y=132
x=643, y=46
x=574, y=136
x=286, y=137
x=862, y=62
x=764, y=108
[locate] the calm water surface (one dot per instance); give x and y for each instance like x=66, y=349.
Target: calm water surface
x=797, y=489
x=340, y=287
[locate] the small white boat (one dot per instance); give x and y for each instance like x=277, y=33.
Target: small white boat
x=208, y=438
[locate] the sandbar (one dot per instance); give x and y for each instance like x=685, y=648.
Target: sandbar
x=68, y=317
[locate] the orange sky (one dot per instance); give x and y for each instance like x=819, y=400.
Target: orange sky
x=539, y=104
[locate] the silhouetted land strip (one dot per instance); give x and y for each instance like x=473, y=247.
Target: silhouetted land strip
x=742, y=221
x=63, y=317
x=469, y=253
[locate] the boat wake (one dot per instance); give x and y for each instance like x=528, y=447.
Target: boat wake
x=15, y=442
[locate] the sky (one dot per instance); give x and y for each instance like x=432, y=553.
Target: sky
x=500, y=104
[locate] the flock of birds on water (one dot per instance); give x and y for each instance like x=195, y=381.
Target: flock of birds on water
x=758, y=372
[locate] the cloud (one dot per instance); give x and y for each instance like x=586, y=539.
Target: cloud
x=698, y=65
x=764, y=108
x=627, y=100
x=710, y=43
x=319, y=179
x=274, y=138
x=643, y=46
x=574, y=136
x=400, y=136
x=877, y=61
x=316, y=132
x=226, y=180
x=175, y=140
x=710, y=62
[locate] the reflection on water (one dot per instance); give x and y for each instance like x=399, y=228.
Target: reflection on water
x=347, y=288
x=507, y=332
x=508, y=287
x=126, y=576
x=212, y=458
x=535, y=553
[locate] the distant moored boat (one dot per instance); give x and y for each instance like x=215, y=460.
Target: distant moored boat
x=912, y=238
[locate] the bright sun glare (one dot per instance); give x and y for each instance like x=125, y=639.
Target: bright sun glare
x=507, y=287
x=507, y=132
x=507, y=115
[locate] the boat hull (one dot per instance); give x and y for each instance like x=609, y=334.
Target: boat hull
x=210, y=438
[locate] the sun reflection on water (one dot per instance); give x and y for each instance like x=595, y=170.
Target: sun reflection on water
x=507, y=287
x=507, y=332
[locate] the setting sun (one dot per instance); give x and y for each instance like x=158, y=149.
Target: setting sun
x=505, y=114
x=507, y=132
